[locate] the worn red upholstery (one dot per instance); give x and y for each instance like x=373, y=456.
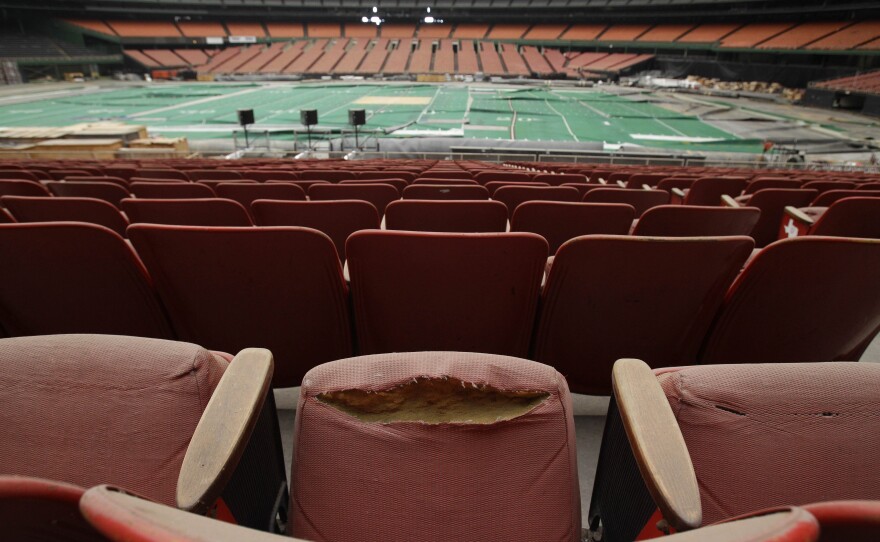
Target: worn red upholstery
x=446, y=216
x=186, y=212
x=337, y=219
x=212, y=174
x=708, y=190
x=33, y=509
x=449, y=480
x=446, y=192
x=766, y=435
x=557, y=222
x=399, y=184
x=233, y=288
x=167, y=190
x=93, y=211
x=467, y=292
x=94, y=409
x=641, y=200
x=246, y=194
x=606, y=296
x=847, y=521
x=850, y=217
x=110, y=192
x=13, y=187
x=72, y=277
x=772, y=203
x=696, y=220
x=512, y=196
x=484, y=177
x=802, y=299
x=380, y=195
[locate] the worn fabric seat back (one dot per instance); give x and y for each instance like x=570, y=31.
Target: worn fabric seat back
x=55, y=209
x=186, y=212
x=802, y=299
x=246, y=193
x=612, y=297
x=557, y=221
x=641, y=200
x=380, y=195
x=171, y=190
x=95, y=409
x=696, y=220
x=22, y=187
x=708, y=190
x=233, y=288
x=462, y=216
x=766, y=435
x=469, y=292
x=463, y=475
x=73, y=277
x=772, y=203
x=446, y=192
x=109, y=192
x=850, y=217
x=513, y=196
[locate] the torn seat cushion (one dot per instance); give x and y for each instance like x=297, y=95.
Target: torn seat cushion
x=767, y=435
x=103, y=409
x=434, y=446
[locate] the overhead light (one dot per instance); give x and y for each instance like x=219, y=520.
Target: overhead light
x=365, y=20
x=429, y=19
x=375, y=9
x=429, y=10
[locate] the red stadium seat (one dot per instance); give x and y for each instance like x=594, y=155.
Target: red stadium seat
x=599, y=304
x=72, y=277
x=269, y=175
x=19, y=174
x=99, y=179
x=399, y=184
x=785, y=307
x=246, y=193
x=5, y=218
x=445, y=174
x=560, y=179
x=332, y=175
x=681, y=183
x=407, y=176
x=167, y=190
x=772, y=203
x=434, y=291
x=454, y=182
x=336, y=219
x=557, y=222
x=513, y=196
x=93, y=211
x=484, y=177
x=60, y=174
x=445, y=192
x=853, y=521
x=33, y=509
x=186, y=212
x=446, y=216
x=825, y=186
x=214, y=183
x=696, y=221
x=763, y=183
x=295, y=303
x=151, y=173
x=434, y=458
x=708, y=190
x=213, y=175
x=110, y=192
x=826, y=199
x=641, y=200
x=380, y=195
x=15, y=187
x=847, y=217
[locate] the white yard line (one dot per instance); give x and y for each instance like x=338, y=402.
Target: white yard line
x=194, y=102
x=425, y=110
x=564, y=121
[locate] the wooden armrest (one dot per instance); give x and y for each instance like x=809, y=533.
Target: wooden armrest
x=678, y=192
x=728, y=201
x=792, y=524
x=798, y=215
x=657, y=443
x=646, y=187
x=602, y=181
x=224, y=430
x=621, y=184
x=121, y=516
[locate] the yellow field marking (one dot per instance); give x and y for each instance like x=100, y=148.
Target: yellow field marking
x=393, y=100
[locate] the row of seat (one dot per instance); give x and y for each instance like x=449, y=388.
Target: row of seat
x=670, y=301
x=415, y=435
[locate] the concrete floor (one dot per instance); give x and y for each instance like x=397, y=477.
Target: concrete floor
x=589, y=422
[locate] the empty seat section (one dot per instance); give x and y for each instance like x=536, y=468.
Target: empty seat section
x=708, y=33
x=284, y=58
x=261, y=58
x=801, y=35
x=294, y=277
x=753, y=34
x=696, y=221
x=145, y=29
x=412, y=292
x=311, y=53
x=336, y=219
x=467, y=57
x=536, y=62
x=56, y=209
x=171, y=190
x=399, y=184
x=624, y=32
x=213, y=175
x=152, y=173
x=330, y=58
x=850, y=217
x=165, y=57
x=420, y=61
x=285, y=30
x=193, y=57
x=201, y=29
x=512, y=196
x=513, y=61
x=489, y=59
x=446, y=191
x=109, y=192
x=545, y=32
x=332, y=175
x=600, y=303
x=397, y=30
x=446, y=216
x=380, y=195
x=444, y=58
x=665, y=32
x=246, y=194
x=826, y=199
x=54, y=288
x=100, y=179
x=375, y=58
x=352, y=57
x=558, y=222
x=470, y=30
x=398, y=57
x=583, y=32
x=186, y=212
x=849, y=37
x=246, y=29
x=9, y=187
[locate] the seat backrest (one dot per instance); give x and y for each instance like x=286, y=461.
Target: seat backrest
x=72, y=277
x=232, y=288
x=212, y=174
x=24, y=175
x=96, y=178
x=826, y=199
x=637, y=180
x=332, y=175
x=60, y=174
x=407, y=176
x=484, y=177
x=852, y=520
x=465, y=216
x=641, y=200
x=869, y=186
x=606, y=297
x=97, y=409
x=446, y=192
x=337, y=219
x=445, y=174
x=850, y=217
x=399, y=184
x=696, y=221
x=435, y=459
x=380, y=195
x=110, y=192
x=557, y=221
x=467, y=292
x=186, y=212
x=154, y=173
x=5, y=218
x=270, y=175
x=763, y=183
x=167, y=190
x=493, y=186
x=246, y=193
x=747, y=424
x=825, y=186
x=16, y=187
x=772, y=203
x=708, y=190
x=512, y=196
x=57, y=209
x=560, y=179
x=454, y=182
x=801, y=299
x=682, y=183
